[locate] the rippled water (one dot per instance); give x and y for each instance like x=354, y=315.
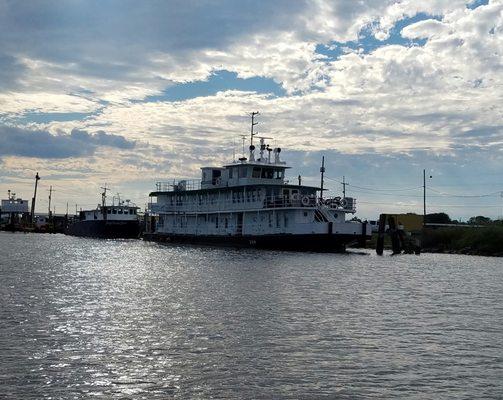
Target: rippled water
x=127, y=319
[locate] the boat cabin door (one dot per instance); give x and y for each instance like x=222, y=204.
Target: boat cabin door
x=239, y=225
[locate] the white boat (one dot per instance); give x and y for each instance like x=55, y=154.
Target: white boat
x=250, y=203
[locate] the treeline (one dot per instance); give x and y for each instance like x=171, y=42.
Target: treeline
x=480, y=235
x=443, y=218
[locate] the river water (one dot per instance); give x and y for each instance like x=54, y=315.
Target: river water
x=85, y=318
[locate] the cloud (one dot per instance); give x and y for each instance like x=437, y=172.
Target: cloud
x=418, y=101
x=23, y=142
x=424, y=29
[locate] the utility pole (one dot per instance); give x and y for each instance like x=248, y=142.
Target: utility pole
x=322, y=170
x=50, y=197
x=344, y=187
x=424, y=197
x=253, y=123
x=34, y=199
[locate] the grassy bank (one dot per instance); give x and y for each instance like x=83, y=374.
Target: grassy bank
x=486, y=241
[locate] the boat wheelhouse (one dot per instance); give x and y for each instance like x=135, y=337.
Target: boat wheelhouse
x=250, y=202
x=107, y=221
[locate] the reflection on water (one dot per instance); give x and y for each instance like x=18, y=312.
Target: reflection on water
x=128, y=319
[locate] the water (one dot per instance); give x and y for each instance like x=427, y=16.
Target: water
x=84, y=318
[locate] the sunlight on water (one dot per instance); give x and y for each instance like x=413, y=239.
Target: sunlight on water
x=128, y=319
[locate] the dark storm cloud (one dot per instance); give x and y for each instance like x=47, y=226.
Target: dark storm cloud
x=16, y=141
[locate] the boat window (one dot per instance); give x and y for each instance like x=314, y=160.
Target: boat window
x=231, y=171
x=279, y=174
x=256, y=172
x=243, y=172
x=114, y=211
x=120, y=210
x=267, y=173
x=109, y=211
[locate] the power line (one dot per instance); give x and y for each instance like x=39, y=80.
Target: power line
x=466, y=195
x=416, y=205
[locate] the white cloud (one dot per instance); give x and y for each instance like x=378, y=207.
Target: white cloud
x=426, y=29
x=395, y=100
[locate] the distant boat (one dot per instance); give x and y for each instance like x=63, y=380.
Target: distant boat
x=119, y=221
x=250, y=203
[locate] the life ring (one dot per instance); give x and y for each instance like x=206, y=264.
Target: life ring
x=295, y=196
x=218, y=181
x=305, y=201
x=343, y=203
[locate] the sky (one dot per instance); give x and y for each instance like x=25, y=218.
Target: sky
x=128, y=93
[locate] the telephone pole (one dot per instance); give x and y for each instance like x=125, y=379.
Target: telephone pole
x=50, y=198
x=424, y=197
x=344, y=187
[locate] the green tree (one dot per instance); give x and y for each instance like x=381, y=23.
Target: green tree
x=479, y=220
x=438, y=218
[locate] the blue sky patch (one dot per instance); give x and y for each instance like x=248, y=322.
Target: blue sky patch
x=219, y=81
x=367, y=42
x=476, y=3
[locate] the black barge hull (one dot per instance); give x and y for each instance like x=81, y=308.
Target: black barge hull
x=311, y=242
x=105, y=229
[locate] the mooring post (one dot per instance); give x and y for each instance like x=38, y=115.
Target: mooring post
x=380, y=234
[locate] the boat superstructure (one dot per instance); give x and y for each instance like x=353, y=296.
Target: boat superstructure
x=249, y=202
x=119, y=220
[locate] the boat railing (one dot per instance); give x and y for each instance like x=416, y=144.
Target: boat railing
x=178, y=185
x=208, y=203
x=339, y=203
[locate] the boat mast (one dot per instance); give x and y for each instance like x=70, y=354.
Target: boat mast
x=253, y=123
x=104, y=196
x=322, y=170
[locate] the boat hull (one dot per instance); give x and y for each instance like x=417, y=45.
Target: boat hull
x=105, y=229
x=333, y=243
